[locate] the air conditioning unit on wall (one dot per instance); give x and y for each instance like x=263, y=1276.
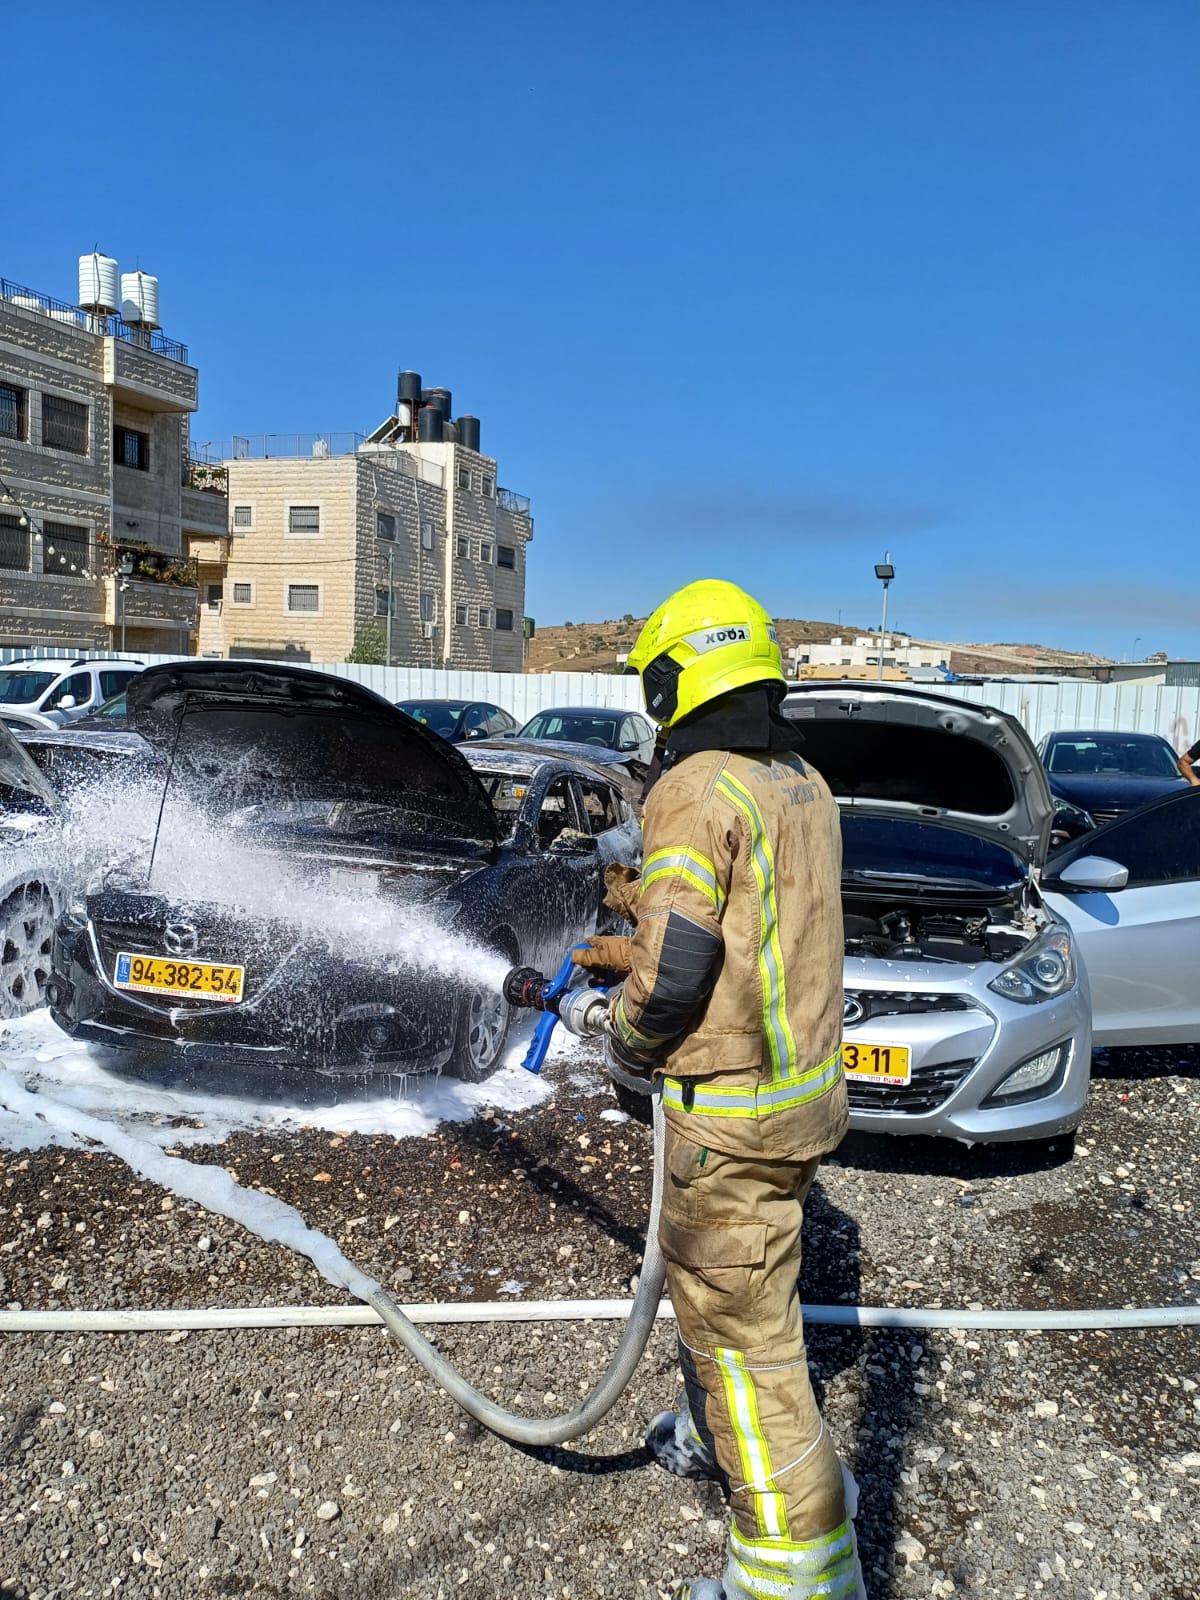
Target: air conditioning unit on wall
x=428, y=629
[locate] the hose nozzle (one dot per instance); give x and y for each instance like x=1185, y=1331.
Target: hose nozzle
x=526, y=988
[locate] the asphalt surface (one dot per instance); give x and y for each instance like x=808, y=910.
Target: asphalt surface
x=323, y=1464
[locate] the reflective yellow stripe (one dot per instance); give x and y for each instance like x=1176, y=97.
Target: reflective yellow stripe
x=755, y=1456
x=690, y=865
x=824, y=1567
x=784, y=1094
x=770, y=955
x=625, y=1031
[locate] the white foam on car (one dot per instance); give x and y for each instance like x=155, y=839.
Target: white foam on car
x=174, y=1105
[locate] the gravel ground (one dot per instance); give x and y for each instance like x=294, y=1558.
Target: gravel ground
x=321, y=1464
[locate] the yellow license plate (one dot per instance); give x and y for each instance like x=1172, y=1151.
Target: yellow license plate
x=192, y=980
x=877, y=1063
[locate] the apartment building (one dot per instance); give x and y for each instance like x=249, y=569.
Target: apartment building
x=98, y=495
x=864, y=650
x=403, y=534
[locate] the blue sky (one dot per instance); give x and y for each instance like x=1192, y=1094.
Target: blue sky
x=753, y=292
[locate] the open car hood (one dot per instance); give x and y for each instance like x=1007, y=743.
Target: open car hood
x=894, y=752
x=20, y=781
x=244, y=734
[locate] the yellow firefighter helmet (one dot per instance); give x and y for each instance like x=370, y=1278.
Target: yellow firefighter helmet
x=708, y=638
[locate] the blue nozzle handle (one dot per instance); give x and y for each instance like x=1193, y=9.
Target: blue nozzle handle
x=539, y=1045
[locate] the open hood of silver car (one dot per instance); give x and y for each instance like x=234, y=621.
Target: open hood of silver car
x=255, y=733
x=892, y=751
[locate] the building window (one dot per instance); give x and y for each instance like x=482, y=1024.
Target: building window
x=214, y=594
x=304, y=519
x=485, y=551
x=427, y=536
x=131, y=449
x=14, y=544
x=504, y=621
x=460, y=615
x=464, y=477
x=243, y=519
x=463, y=546
x=243, y=594
x=14, y=412
x=506, y=556
x=66, y=549
x=489, y=486
x=485, y=616
x=381, y=603
x=427, y=605
x=304, y=597
x=64, y=425
x=385, y=525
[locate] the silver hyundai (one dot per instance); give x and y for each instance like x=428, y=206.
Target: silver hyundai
x=967, y=1011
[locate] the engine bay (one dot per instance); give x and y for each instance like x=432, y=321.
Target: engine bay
x=892, y=930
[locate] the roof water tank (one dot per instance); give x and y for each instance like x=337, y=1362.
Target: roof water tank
x=449, y=432
x=139, y=299
x=468, y=432
x=408, y=386
x=98, y=289
x=439, y=398
x=429, y=425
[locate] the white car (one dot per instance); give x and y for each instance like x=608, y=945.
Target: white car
x=37, y=693
x=30, y=892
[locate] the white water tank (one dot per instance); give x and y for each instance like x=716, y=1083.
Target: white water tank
x=139, y=299
x=98, y=282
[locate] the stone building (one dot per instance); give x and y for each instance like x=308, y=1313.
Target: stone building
x=98, y=496
x=327, y=532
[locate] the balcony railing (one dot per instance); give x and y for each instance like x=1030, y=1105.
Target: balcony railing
x=149, y=565
x=510, y=500
x=269, y=446
x=209, y=476
x=152, y=339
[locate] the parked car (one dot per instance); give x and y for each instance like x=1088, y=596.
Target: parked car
x=507, y=851
x=1107, y=773
x=967, y=1007
x=29, y=879
x=626, y=731
x=1131, y=894
x=460, y=720
x=38, y=693
x=618, y=767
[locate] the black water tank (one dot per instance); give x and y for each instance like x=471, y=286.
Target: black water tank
x=450, y=434
x=468, y=432
x=408, y=386
x=439, y=398
x=429, y=425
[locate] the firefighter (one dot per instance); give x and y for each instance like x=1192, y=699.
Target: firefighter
x=733, y=994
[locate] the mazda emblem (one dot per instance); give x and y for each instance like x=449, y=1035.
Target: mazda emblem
x=180, y=938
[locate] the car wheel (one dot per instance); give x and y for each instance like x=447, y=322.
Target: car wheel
x=26, y=942
x=480, y=1033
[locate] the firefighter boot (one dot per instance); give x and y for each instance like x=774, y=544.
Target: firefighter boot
x=676, y=1445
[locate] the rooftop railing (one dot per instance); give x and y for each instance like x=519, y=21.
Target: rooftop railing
x=111, y=327
x=270, y=446
x=510, y=500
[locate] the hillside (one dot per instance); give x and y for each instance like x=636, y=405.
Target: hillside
x=594, y=646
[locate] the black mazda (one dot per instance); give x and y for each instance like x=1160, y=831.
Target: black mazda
x=304, y=819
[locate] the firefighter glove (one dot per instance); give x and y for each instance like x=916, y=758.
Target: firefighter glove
x=624, y=887
x=605, y=953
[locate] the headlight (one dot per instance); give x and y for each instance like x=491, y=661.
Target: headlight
x=1042, y=972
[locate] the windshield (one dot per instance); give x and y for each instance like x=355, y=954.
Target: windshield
x=879, y=848
x=439, y=715
x=1115, y=757
x=115, y=707
x=23, y=688
x=575, y=727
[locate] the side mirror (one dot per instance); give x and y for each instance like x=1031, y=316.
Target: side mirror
x=574, y=844
x=1095, y=873
x=67, y=703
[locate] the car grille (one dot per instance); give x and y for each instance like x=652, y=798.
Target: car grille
x=930, y=1086
x=880, y=1003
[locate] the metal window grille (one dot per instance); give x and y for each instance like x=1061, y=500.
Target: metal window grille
x=13, y=420
x=428, y=613
x=381, y=603
x=427, y=536
x=131, y=449
x=243, y=516
x=243, y=594
x=460, y=615
x=304, y=597
x=66, y=549
x=14, y=544
x=304, y=519
x=485, y=550
x=504, y=621
x=385, y=525
x=506, y=556
x=64, y=425
x=485, y=616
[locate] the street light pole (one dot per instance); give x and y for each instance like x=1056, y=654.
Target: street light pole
x=1136, y=642
x=391, y=602
x=885, y=572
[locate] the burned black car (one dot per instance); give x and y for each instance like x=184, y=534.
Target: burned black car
x=317, y=849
